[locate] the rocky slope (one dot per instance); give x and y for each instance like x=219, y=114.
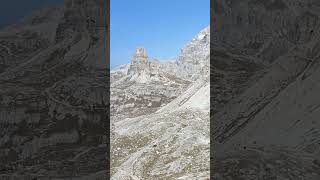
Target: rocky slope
x=53, y=100
x=265, y=128
x=172, y=142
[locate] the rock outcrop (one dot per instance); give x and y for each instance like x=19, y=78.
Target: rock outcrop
x=140, y=61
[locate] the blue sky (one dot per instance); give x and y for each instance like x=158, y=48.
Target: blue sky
x=161, y=26
x=11, y=11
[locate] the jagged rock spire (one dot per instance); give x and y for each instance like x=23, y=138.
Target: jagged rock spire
x=141, y=52
x=139, y=61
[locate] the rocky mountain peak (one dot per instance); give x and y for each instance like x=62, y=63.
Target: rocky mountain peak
x=141, y=52
x=140, y=57
x=192, y=62
x=141, y=65
x=139, y=61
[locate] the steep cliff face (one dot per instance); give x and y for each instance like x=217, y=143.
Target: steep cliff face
x=194, y=57
x=270, y=113
x=53, y=101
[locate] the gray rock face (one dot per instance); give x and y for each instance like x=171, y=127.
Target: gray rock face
x=53, y=94
x=195, y=56
x=193, y=59
x=265, y=65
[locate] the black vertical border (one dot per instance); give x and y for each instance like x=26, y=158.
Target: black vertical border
x=212, y=2
x=107, y=58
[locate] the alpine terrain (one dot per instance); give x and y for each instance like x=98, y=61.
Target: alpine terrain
x=160, y=115
x=265, y=89
x=54, y=94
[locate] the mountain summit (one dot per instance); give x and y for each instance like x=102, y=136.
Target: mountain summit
x=139, y=61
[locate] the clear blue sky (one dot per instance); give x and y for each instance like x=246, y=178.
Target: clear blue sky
x=161, y=26
x=11, y=11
